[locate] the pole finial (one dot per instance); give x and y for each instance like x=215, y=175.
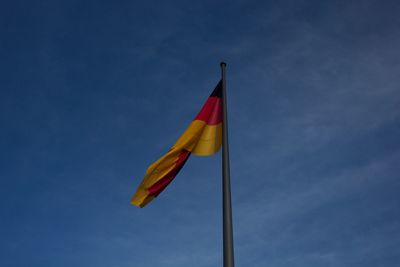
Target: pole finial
x=222, y=64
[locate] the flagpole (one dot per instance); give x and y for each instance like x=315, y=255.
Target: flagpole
x=226, y=183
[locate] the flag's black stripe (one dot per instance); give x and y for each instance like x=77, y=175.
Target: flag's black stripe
x=218, y=90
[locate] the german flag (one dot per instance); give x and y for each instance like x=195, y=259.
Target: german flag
x=203, y=137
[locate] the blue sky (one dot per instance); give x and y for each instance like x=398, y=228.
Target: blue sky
x=92, y=92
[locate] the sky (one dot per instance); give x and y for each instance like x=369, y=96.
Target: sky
x=93, y=92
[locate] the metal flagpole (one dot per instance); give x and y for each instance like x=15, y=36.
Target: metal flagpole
x=226, y=183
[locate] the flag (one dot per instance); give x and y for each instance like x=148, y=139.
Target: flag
x=203, y=137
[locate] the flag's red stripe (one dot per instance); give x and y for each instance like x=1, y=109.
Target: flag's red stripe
x=211, y=112
x=160, y=185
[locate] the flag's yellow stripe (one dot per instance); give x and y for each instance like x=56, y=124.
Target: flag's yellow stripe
x=209, y=141
x=199, y=138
